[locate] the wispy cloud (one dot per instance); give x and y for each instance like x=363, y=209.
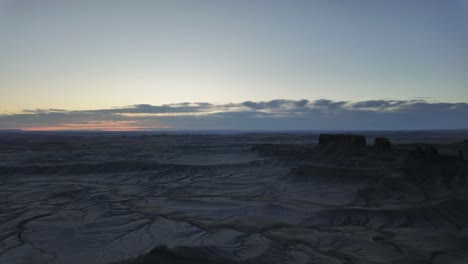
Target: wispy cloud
x=274, y=114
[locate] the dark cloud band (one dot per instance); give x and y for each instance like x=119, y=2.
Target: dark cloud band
x=275, y=114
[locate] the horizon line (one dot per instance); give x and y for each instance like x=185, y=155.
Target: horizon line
x=223, y=130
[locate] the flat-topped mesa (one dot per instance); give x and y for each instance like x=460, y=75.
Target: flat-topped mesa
x=342, y=139
x=382, y=144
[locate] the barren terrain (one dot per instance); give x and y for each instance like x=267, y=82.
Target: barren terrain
x=250, y=198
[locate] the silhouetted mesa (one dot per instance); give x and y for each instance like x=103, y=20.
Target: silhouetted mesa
x=345, y=139
x=382, y=144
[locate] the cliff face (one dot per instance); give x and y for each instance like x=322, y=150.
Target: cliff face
x=382, y=144
x=428, y=169
x=392, y=173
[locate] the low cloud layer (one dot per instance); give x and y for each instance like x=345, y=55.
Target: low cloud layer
x=265, y=115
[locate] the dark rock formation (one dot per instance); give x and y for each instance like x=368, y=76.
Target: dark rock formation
x=431, y=153
x=428, y=153
x=180, y=255
x=382, y=144
x=460, y=155
x=429, y=169
x=344, y=139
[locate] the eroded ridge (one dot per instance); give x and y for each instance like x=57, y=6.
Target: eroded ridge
x=231, y=199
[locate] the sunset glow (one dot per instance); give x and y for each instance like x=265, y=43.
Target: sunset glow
x=96, y=126
x=70, y=65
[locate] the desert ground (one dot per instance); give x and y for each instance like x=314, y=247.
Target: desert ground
x=234, y=197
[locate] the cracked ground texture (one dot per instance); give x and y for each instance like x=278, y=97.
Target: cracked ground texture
x=112, y=199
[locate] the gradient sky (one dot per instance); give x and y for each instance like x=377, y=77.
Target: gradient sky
x=84, y=55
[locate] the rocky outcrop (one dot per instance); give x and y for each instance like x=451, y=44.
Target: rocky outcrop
x=428, y=153
x=429, y=169
x=180, y=255
x=382, y=144
x=431, y=153
x=342, y=139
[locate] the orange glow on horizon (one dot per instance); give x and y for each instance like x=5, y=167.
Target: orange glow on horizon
x=98, y=126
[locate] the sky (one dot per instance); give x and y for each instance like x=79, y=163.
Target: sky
x=211, y=64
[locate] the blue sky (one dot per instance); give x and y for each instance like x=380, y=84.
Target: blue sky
x=92, y=55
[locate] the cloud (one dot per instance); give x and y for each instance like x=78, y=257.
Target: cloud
x=275, y=104
x=381, y=104
x=167, y=108
x=280, y=114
